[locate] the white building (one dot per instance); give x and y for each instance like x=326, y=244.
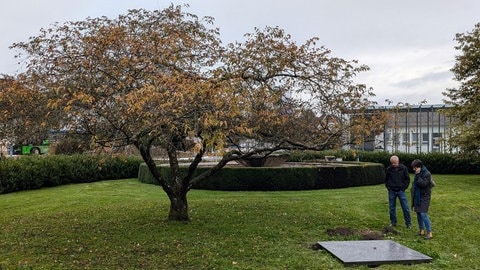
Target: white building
x=413, y=129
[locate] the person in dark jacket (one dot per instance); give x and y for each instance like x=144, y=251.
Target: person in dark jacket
x=421, y=195
x=397, y=180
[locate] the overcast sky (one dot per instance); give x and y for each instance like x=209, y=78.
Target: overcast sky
x=408, y=44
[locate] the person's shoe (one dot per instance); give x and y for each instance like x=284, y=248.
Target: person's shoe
x=392, y=225
x=409, y=226
x=421, y=232
x=429, y=236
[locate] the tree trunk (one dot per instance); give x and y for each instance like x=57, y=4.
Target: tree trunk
x=178, y=207
x=176, y=189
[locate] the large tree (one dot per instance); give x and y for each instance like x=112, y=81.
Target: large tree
x=163, y=78
x=466, y=98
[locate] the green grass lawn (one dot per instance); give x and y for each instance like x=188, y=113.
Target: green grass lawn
x=122, y=225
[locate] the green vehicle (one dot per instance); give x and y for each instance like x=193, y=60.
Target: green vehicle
x=32, y=149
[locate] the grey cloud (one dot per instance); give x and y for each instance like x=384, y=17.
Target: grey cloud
x=434, y=77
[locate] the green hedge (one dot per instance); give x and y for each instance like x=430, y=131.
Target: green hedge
x=295, y=177
x=34, y=172
x=435, y=162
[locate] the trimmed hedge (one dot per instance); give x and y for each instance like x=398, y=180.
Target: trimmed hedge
x=304, y=176
x=34, y=172
x=435, y=162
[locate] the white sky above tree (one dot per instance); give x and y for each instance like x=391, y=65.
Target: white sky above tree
x=409, y=45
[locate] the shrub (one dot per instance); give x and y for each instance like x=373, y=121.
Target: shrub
x=440, y=163
x=305, y=177
x=33, y=172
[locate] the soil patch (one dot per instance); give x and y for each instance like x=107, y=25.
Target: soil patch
x=363, y=234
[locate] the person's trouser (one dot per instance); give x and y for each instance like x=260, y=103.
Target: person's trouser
x=392, y=202
x=424, y=222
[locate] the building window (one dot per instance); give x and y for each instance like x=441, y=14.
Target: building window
x=436, y=139
x=414, y=138
x=424, y=138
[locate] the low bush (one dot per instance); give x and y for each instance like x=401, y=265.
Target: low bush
x=34, y=172
x=439, y=163
x=305, y=177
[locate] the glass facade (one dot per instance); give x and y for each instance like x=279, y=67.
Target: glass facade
x=414, y=129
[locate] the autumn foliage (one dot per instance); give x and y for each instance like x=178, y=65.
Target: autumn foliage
x=22, y=111
x=164, y=78
x=465, y=99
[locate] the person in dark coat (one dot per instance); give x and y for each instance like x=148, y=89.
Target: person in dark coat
x=421, y=195
x=397, y=180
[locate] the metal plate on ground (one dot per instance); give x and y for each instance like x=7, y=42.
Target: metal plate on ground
x=373, y=252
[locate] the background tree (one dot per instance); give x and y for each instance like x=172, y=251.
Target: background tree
x=22, y=112
x=466, y=98
x=163, y=78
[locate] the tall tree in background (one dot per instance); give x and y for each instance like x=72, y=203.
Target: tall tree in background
x=163, y=78
x=466, y=98
x=22, y=112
